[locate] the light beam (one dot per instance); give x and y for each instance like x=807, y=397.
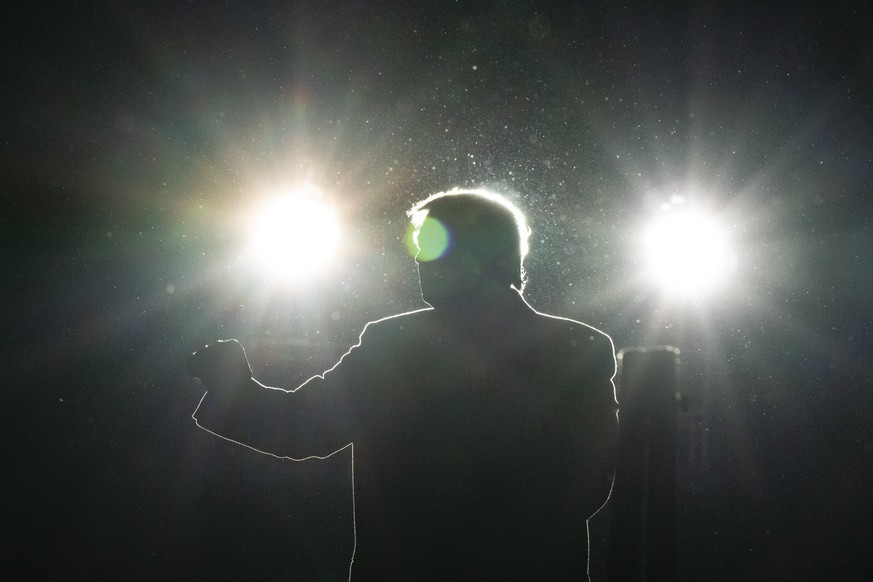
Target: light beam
x=687, y=252
x=292, y=237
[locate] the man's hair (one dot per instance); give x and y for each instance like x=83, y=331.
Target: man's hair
x=485, y=224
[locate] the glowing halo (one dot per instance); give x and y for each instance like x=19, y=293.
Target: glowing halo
x=292, y=237
x=687, y=252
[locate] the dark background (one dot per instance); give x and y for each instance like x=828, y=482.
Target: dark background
x=135, y=135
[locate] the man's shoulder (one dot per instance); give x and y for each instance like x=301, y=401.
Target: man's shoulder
x=536, y=324
x=396, y=323
x=583, y=348
x=576, y=329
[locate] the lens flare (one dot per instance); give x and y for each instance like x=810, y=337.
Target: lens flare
x=430, y=242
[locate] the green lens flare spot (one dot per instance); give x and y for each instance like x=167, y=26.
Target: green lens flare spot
x=433, y=240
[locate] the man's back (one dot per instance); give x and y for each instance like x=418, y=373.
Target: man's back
x=479, y=450
x=484, y=432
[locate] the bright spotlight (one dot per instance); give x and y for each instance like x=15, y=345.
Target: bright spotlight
x=292, y=237
x=687, y=252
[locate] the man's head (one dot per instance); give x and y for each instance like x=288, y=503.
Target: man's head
x=470, y=242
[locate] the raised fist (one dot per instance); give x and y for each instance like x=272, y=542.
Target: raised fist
x=220, y=364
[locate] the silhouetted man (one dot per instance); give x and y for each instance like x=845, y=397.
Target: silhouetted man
x=483, y=432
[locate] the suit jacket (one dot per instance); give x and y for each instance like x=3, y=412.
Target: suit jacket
x=480, y=448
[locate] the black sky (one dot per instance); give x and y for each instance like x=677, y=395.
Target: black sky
x=133, y=137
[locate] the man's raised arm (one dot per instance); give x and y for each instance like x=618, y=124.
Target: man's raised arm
x=315, y=420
